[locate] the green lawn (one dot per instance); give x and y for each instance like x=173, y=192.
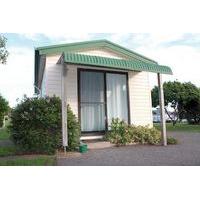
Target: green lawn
x=4, y=134
x=8, y=155
x=7, y=151
x=37, y=161
x=11, y=156
x=182, y=127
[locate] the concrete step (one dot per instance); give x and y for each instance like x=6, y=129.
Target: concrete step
x=99, y=145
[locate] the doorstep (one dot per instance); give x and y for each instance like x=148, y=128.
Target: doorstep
x=98, y=144
x=91, y=137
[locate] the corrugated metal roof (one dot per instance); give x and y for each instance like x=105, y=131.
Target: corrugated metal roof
x=71, y=47
x=115, y=63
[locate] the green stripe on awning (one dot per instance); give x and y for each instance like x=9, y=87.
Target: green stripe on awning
x=115, y=63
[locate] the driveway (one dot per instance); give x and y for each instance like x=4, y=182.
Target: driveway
x=187, y=152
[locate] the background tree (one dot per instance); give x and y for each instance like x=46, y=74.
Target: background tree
x=172, y=91
x=191, y=103
x=4, y=108
x=183, y=98
x=3, y=51
x=3, y=58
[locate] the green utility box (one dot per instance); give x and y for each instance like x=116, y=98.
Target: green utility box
x=83, y=148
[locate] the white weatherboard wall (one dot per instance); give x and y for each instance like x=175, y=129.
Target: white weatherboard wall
x=53, y=81
x=53, y=76
x=139, y=88
x=140, y=98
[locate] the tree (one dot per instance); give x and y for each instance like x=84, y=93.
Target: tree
x=183, y=98
x=191, y=103
x=172, y=91
x=3, y=51
x=4, y=108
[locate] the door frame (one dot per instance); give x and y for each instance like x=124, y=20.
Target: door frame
x=79, y=70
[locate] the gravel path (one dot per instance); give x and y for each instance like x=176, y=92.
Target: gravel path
x=187, y=152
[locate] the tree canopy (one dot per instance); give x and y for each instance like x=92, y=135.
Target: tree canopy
x=3, y=51
x=4, y=108
x=183, y=98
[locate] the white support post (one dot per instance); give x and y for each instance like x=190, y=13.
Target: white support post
x=162, y=110
x=64, y=107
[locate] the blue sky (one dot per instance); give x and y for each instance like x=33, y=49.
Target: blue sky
x=179, y=51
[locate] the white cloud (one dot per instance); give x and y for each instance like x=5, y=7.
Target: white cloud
x=68, y=37
x=31, y=36
x=184, y=61
x=158, y=38
x=59, y=37
x=145, y=39
x=16, y=78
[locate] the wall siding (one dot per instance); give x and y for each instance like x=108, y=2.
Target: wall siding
x=53, y=76
x=139, y=89
x=72, y=88
x=140, y=98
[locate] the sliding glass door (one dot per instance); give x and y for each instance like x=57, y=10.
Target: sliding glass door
x=103, y=96
x=92, y=101
x=117, y=104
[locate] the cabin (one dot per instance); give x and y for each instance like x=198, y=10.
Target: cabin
x=100, y=80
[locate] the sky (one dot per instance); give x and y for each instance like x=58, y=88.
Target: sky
x=179, y=51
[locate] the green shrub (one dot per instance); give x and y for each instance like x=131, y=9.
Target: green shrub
x=171, y=140
x=122, y=134
x=119, y=133
x=36, y=125
x=73, y=130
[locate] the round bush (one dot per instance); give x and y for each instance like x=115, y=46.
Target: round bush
x=36, y=125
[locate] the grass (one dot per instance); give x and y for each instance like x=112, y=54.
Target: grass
x=7, y=151
x=180, y=127
x=37, y=161
x=9, y=155
x=4, y=134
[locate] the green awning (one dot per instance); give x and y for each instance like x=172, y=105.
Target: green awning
x=121, y=64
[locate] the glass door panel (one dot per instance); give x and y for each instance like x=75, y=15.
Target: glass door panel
x=117, y=106
x=92, y=101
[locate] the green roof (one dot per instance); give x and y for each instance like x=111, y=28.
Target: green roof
x=131, y=61
x=121, y=64
x=73, y=47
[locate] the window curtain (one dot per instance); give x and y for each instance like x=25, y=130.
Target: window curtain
x=92, y=101
x=116, y=97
